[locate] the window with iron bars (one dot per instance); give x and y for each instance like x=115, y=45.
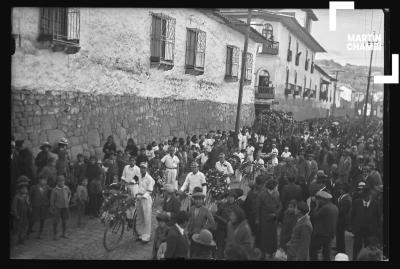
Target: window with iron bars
x=248, y=67
x=162, y=39
x=60, y=25
x=232, y=62
x=195, y=49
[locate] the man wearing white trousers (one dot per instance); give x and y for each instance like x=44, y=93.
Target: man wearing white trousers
x=144, y=204
x=171, y=162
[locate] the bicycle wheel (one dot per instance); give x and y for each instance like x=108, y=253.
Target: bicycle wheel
x=113, y=234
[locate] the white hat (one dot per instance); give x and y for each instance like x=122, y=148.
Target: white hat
x=341, y=257
x=143, y=164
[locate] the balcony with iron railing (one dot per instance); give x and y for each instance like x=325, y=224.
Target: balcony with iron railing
x=265, y=92
x=297, y=90
x=290, y=88
x=271, y=47
x=307, y=92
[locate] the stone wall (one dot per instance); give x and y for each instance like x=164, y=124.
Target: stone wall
x=86, y=120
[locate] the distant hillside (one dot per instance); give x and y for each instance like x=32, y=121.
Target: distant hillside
x=352, y=74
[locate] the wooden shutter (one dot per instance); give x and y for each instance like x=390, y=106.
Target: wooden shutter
x=190, y=47
x=169, y=40
x=200, y=49
x=235, y=62
x=229, y=59
x=156, y=38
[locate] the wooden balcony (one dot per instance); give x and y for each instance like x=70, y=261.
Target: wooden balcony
x=289, y=88
x=264, y=92
x=271, y=48
x=297, y=90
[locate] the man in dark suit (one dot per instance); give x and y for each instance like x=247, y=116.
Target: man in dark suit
x=365, y=220
x=344, y=202
x=332, y=185
x=171, y=204
x=291, y=191
x=324, y=219
x=177, y=240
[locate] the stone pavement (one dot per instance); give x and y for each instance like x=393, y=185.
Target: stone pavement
x=83, y=244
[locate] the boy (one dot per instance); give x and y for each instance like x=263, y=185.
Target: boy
x=20, y=211
x=289, y=220
x=160, y=236
x=79, y=169
x=39, y=198
x=59, y=201
x=82, y=198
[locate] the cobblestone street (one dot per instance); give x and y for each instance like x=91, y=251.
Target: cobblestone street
x=83, y=244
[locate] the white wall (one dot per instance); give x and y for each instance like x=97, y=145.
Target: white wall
x=115, y=56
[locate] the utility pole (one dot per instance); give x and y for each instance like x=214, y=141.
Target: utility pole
x=372, y=100
x=242, y=75
x=366, y=96
x=334, y=92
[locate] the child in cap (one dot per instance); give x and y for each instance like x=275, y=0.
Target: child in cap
x=20, y=211
x=160, y=236
x=59, y=205
x=39, y=198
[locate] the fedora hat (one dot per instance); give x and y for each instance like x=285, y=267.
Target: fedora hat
x=204, y=238
x=198, y=194
x=45, y=144
x=321, y=174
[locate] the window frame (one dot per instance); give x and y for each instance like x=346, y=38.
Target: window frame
x=61, y=26
x=194, y=65
x=230, y=63
x=164, y=40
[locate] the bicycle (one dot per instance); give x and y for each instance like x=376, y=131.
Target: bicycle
x=117, y=210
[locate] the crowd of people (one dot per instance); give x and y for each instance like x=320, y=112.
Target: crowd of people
x=312, y=181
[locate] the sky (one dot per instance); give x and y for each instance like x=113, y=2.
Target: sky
x=358, y=22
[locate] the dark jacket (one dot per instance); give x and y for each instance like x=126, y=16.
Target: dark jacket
x=250, y=207
x=177, y=245
x=291, y=192
x=204, y=220
x=363, y=218
x=241, y=235
x=289, y=221
x=93, y=171
x=110, y=147
x=39, y=198
x=344, y=206
x=132, y=150
x=172, y=206
x=160, y=236
x=41, y=160
x=324, y=220
x=79, y=171
x=298, y=246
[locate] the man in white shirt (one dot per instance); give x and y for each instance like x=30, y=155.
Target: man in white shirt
x=225, y=167
x=131, y=175
x=286, y=153
x=203, y=157
x=250, y=151
x=144, y=204
x=195, y=179
x=274, y=159
x=171, y=162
